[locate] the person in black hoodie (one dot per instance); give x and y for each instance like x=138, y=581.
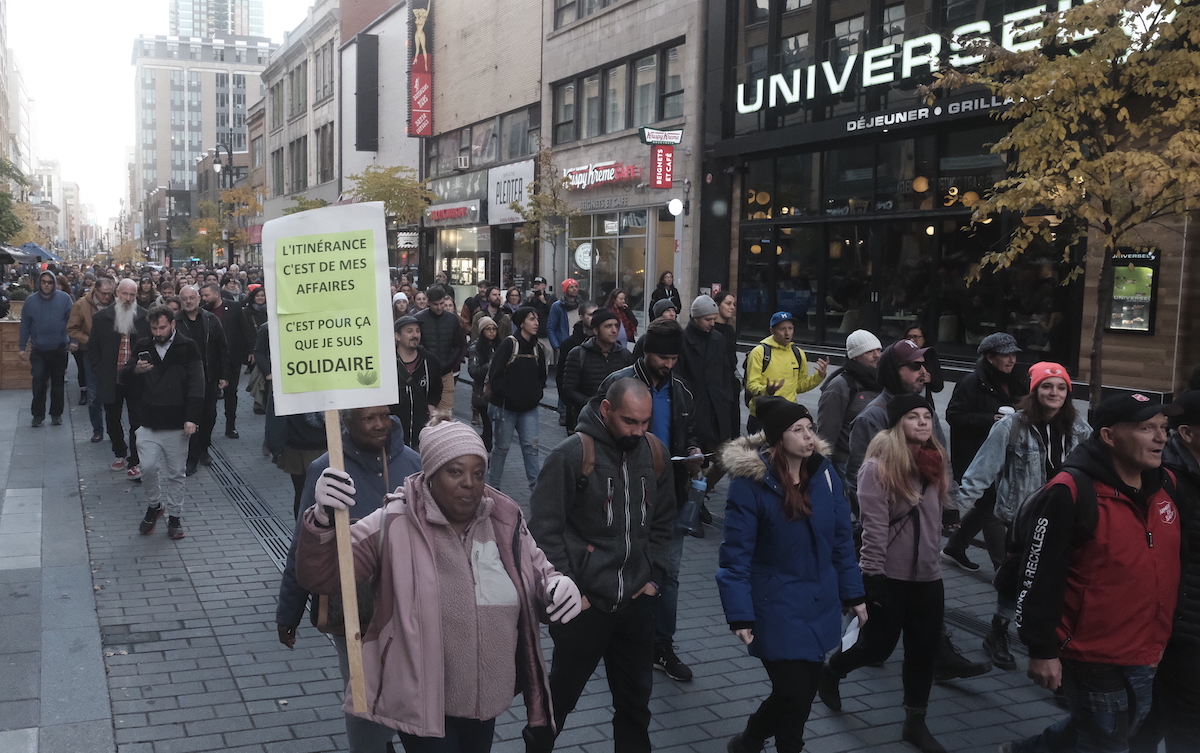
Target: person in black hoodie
x=1175, y=712
x=479, y=360
x=518, y=379
x=588, y=365
x=846, y=393
x=975, y=407
x=420, y=385
x=167, y=378
x=579, y=335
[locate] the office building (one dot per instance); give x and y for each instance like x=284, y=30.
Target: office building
x=216, y=18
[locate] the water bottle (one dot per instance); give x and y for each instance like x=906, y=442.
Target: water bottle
x=689, y=516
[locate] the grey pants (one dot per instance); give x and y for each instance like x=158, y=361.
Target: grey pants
x=363, y=735
x=163, y=453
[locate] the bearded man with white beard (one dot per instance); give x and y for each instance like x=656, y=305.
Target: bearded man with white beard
x=114, y=332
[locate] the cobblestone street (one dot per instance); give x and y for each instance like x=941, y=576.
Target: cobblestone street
x=153, y=646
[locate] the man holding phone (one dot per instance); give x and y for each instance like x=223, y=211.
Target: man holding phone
x=167, y=380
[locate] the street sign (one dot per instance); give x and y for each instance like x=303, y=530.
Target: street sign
x=331, y=334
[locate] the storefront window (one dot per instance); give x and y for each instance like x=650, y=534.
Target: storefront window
x=849, y=180
x=609, y=251
x=967, y=167
x=848, y=280
x=465, y=252
x=904, y=176
x=797, y=274
x=797, y=186
x=759, y=189
x=755, y=283
x=905, y=271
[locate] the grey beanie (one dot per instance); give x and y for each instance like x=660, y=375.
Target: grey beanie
x=1000, y=343
x=660, y=307
x=703, y=306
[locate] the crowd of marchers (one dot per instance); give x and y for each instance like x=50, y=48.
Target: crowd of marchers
x=1091, y=524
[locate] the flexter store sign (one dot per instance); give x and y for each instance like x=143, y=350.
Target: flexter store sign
x=330, y=332
x=420, y=70
x=507, y=184
x=662, y=166
x=600, y=174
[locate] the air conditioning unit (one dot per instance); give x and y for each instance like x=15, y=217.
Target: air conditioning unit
x=464, y=162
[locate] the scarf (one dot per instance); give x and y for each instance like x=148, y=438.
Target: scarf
x=259, y=307
x=570, y=303
x=866, y=379
x=929, y=464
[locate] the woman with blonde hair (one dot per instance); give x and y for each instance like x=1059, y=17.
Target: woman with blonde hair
x=903, y=486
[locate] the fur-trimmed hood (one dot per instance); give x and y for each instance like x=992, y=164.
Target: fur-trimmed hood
x=743, y=457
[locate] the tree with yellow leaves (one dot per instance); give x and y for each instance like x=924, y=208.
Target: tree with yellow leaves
x=404, y=197
x=1105, y=130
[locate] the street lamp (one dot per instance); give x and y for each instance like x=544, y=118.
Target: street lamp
x=223, y=177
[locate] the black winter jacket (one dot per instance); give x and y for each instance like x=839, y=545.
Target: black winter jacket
x=683, y=405
x=442, y=337
x=229, y=313
x=105, y=343
x=172, y=393
x=586, y=369
x=518, y=386
x=1187, y=498
x=971, y=414
x=479, y=360
x=579, y=336
x=704, y=365
x=215, y=353
x=610, y=531
x=418, y=391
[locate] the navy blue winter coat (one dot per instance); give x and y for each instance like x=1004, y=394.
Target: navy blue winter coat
x=790, y=578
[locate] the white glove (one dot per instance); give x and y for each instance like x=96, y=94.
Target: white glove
x=565, y=600
x=335, y=491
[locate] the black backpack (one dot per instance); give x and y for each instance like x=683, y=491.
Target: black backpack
x=746, y=395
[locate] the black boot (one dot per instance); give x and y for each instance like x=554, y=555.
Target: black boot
x=995, y=644
x=917, y=733
x=827, y=688
x=744, y=744
x=951, y=665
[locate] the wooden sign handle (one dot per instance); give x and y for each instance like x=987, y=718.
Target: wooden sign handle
x=345, y=555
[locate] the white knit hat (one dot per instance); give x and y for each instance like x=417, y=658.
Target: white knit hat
x=861, y=341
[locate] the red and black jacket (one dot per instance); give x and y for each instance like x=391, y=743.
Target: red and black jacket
x=1100, y=578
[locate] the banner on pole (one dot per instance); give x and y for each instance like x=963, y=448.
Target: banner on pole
x=331, y=338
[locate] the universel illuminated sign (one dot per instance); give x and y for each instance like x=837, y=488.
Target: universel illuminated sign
x=878, y=66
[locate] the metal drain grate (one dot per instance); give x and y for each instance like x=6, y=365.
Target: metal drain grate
x=273, y=534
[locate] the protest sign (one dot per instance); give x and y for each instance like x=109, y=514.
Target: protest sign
x=331, y=334
x=332, y=346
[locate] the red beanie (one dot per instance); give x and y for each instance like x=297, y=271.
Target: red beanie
x=1043, y=370
x=568, y=283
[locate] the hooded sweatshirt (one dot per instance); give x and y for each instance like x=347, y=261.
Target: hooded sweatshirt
x=1100, y=583
x=44, y=319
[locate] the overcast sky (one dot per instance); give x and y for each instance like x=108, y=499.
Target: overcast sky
x=76, y=58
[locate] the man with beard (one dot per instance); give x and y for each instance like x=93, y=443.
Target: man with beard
x=46, y=346
x=847, y=393
x=110, y=347
x=607, y=527
x=490, y=306
x=563, y=316
x=229, y=313
x=79, y=327
x=206, y=330
x=168, y=379
x=420, y=381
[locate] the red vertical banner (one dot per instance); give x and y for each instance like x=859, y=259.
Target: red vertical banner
x=662, y=166
x=420, y=66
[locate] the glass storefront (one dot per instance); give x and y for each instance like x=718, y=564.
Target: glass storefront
x=609, y=251
x=881, y=240
x=466, y=253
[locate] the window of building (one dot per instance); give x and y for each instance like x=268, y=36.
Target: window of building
x=323, y=80
x=846, y=40
x=193, y=52
x=147, y=77
x=149, y=175
x=177, y=119
x=194, y=119
x=514, y=130
x=275, y=100
x=239, y=120
x=325, y=152
x=239, y=81
x=298, y=164
x=219, y=54
x=277, y=187
x=193, y=79
x=148, y=117
x=149, y=156
x=176, y=98
x=672, y=88
x=239, y=101
x=564, y=113
x=239, y=55
x=222, y=120
x=564, y=12
x=148, y=96
x=613, y=249
x=298, y=89
x=615, y=86
x=483, y=143
x=149, y=135
x=222, y=80
x=645, y=89
x=173, y=49
x=194, y=100
x=239, y=141
x=176, y=78
x=257, y=147
x=591, y=125
x=222, y=100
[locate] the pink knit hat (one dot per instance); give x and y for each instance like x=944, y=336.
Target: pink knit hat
x=443, y=441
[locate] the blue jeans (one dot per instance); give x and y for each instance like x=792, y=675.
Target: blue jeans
x=504, y=423
x=95, y=407
x=1107, y=704
x=667, y=603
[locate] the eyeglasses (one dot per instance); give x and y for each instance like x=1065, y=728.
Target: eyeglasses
x=915, y=365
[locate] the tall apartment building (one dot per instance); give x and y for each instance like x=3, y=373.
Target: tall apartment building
x=5, y=111
x=301, y=130
x=216, y=18
x=19, y=147
x=72, y=214
x=192, y=94
x=48, y=199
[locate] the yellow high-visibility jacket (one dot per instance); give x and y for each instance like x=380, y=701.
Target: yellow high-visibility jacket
x=782, y=365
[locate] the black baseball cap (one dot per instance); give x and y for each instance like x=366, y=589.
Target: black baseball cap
x=1130, y=409
x=540, y=279
x=1189, y=405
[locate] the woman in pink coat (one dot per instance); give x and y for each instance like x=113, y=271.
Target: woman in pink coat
x=460, y=589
